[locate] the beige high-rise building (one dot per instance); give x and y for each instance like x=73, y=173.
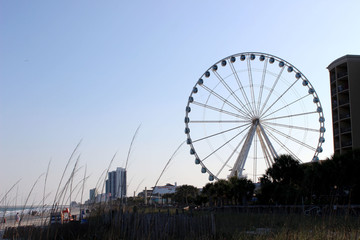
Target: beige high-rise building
x=345, y=102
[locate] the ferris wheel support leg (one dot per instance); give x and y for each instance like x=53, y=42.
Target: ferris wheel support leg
x=264, y=148
x=240, y=161
x=268, y=143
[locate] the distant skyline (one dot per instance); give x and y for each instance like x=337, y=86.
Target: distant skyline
x=94, y=71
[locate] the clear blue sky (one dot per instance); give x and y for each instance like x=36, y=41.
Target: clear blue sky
x=95, y=70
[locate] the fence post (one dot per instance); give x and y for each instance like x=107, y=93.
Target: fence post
x=213, y=226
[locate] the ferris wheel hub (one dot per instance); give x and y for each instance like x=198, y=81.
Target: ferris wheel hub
x=255, y=121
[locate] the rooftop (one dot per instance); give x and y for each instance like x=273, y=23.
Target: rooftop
x=343, y=59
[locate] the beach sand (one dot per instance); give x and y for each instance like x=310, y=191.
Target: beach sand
x=29, y=220
x=26, y=221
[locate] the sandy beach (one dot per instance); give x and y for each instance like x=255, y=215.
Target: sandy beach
x=26, y=221
x=29, y=220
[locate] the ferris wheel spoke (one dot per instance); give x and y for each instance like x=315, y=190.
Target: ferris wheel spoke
x=219, y=121
x=291, y=126
x=216, y=134
x=289, y=137
x=279, y=97
x=232, y=93
x=241, y=88
x=225, y=100
x=288, y=105
x=271, y=90
x=231, y=155
x=251, y=85
x=289, y=116
x=219, y=110
x=262, y=86
x=283, y=145
x=224, y=144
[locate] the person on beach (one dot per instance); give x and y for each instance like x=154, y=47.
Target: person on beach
x=17, y=217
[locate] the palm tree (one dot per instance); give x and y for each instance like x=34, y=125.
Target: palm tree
x=222, y=191
x=186, y=194
x=282, y=182
x=241, y=189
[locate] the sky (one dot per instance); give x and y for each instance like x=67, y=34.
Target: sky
x=93, y=71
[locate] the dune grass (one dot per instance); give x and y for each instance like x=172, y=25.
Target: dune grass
x=114, y=221
x=286, y=226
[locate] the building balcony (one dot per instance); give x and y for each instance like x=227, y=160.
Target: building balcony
x=344, y=116
x=332, y=75
x=333, y=91
x=345, y=129
x=332, y=78
x=341, y=74
x=346, y=143
x=343, y=102
x=342, y=88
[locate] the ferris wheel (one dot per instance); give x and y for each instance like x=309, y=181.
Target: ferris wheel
x=246, y=110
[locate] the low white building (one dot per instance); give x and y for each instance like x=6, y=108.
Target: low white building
x=167, y=189
x=157, y=192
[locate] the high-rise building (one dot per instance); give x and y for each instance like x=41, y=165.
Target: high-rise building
x=121, y=182
x=116, y=183
x=92, y=194
x=345, y=100
x=112, y=183
x=107, y=186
